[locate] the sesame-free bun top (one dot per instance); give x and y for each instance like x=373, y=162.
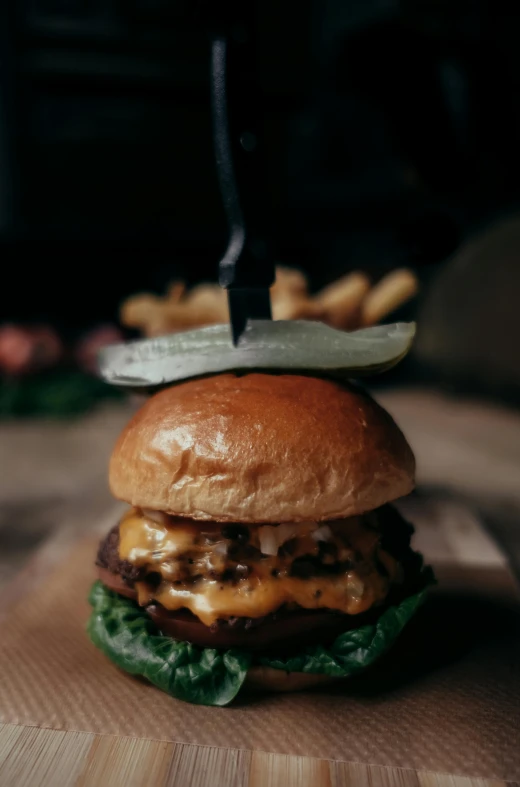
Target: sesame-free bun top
x=261, y=448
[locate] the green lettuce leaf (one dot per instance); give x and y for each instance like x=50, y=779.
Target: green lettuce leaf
x=355, y=649
x=204, y=676
x=125, y=633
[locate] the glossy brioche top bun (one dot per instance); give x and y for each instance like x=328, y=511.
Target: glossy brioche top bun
x=261, y=448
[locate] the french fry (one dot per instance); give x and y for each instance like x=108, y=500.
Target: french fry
x=163, y=323
x=341, y=301
x=139, y=309
x=184, y=316
x=290, y=308
x=395, y=289
x=347, y=303
x=210, y=298
x=176, y=291
x=204, y=305
x=289, y=280
x=158, y=326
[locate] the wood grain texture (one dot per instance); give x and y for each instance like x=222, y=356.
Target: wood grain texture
x=43, y=758
x=124, y=762
x=204, y=765
x=32, y=757
x=282, y=770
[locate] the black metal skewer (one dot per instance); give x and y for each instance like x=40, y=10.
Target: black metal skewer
x=247, y=268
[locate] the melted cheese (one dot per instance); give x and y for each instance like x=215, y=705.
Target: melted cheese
x=251, y=599
x=145, y=542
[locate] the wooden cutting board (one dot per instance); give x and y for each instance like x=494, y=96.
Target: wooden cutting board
x=70, y=718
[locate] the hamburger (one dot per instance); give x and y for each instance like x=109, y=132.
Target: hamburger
x=260, y=547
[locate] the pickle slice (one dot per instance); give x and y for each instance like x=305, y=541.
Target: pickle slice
x=266, y=345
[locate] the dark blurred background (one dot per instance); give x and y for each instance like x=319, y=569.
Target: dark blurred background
x=392, y=130
x=392, y=133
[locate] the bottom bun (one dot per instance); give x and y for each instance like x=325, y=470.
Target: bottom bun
x=269, y=679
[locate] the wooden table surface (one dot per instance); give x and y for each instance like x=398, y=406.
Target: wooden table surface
x=31, y=757
x=52, y=469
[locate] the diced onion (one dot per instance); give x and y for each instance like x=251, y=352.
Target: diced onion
x=323, y=533
x=268, y=540
x=272, y=538
x=156, y=516
x=221, y=548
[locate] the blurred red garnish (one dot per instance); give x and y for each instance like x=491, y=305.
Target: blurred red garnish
x=27, y=349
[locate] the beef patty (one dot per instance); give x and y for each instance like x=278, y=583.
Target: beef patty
x=294, y=627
